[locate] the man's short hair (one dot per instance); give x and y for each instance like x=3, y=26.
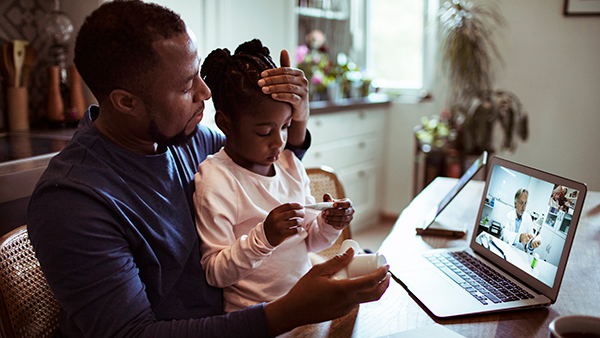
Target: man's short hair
x=519, y=193
x=113, y=49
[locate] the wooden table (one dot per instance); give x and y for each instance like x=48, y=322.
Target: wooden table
x=397, y=311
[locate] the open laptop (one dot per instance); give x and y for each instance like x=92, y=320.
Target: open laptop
x=448, y=282
x=428, y=226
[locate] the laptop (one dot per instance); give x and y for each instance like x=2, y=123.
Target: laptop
x=498, y=271
x=428, y=227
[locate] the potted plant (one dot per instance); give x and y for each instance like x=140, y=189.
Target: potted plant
x=467, y=52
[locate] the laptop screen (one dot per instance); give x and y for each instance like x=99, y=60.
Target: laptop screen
x=525, y=220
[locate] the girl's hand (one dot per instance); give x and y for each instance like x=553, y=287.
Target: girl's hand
x=340, y=215
x=284, y=221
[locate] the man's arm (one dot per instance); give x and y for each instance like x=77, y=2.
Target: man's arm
x=316, y=297
x=91, y=269
x=530, y=244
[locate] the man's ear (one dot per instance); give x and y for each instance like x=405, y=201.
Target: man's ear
x=223, y=122
x=124, y=102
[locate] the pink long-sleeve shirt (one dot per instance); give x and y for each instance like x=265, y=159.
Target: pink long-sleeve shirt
x=231, y=204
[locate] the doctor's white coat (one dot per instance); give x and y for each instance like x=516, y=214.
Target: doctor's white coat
x=508, y=230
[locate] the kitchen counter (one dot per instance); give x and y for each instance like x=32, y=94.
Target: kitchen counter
x=23, y=159
x=23, y=150
x=371, y=101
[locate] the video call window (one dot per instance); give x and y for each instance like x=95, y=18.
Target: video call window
x=525, y=220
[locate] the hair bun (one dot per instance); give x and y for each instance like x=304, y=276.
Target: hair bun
x=214, y=65
x=253, y=47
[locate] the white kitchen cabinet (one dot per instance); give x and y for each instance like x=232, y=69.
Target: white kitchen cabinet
x=228, y=23
x=351, y=142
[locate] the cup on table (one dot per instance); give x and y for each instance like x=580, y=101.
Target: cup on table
x=576, y=326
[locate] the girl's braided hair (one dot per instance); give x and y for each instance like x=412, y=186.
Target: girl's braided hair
x=233, y=78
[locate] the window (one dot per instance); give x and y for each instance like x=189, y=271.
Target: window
x=399, y=55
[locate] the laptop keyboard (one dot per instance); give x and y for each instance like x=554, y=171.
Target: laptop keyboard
x=483, y=283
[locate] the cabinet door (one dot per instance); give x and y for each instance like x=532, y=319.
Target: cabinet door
x=231, y=22
x=552, y=245
x=335, y=126
x=352, y=144
x=361, y=185
x=346, y=152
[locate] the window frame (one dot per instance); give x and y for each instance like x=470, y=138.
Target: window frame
x=430, y=29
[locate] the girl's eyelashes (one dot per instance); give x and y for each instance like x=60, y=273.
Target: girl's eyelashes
x=263, y=133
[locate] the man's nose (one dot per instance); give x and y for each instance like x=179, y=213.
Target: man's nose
x=203, y=93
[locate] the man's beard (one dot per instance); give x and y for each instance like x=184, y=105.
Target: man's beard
x=163, y=141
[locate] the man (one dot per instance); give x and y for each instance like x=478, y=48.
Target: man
x=518, y=227
x=111, y=218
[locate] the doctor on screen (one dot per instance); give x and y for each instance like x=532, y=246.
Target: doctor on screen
x=518, y=226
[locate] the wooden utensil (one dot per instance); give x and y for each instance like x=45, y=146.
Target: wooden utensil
x=55, y=105
x=30, y=56
x=18, y=59
x=7, y=52
x=77, y=104
x=3, y=68
x=18, y=108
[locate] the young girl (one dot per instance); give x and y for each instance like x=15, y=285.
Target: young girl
x=255, y=233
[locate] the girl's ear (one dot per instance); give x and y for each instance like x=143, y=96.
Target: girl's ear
x=223, y=122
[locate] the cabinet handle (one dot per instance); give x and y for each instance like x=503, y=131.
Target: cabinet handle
x=318, y=123
x=317, y=154
x=362, y=144
x=362, y=173
x=362, y=115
